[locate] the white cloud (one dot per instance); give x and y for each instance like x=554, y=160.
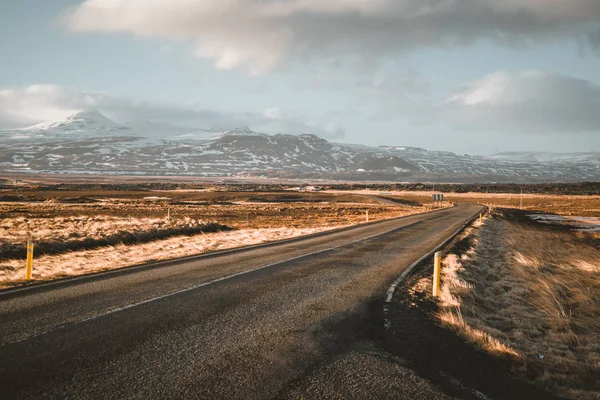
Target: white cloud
x=40, y=103
x=260, y=35
x=525, y=102
x=274, y=113
x=37, y=103
x=335, y=131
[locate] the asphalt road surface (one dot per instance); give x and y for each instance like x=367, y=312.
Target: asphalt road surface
x=289, y=320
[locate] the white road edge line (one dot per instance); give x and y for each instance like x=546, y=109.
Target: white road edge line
x=224, y=278
x=392, y=288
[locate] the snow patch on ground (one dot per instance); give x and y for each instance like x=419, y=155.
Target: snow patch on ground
x=582, y=224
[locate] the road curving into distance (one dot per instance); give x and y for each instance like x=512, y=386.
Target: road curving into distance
x=289, y=320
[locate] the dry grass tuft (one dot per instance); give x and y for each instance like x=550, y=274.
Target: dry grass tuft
x=479, y=337
x=530, y=295
x=60, y=235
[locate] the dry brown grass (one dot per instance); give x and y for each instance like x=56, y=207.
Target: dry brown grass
x=239, y=210
x=112, y=232
x=588, y=206
x=58, y=227
x=530, y=295
x=66, y=228
x=59, y=235
x=12, y=272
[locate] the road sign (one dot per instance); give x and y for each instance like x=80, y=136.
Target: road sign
x=438, y=197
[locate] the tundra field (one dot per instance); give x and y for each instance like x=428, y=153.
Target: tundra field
x=82, y=231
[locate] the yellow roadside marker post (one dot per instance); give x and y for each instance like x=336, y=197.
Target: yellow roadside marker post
x=437, y=266
x=29, y=259
x=481, y=217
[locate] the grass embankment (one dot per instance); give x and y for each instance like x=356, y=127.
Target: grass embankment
x=61, y=235
x=529, y=293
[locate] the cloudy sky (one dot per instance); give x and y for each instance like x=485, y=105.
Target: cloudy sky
x=469, y=76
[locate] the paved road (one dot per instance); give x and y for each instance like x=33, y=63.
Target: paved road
x=289, y=320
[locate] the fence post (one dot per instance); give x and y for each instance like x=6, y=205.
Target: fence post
x=437, y=266
x=29, y=260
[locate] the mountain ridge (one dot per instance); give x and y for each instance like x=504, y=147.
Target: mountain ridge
x=88, y=142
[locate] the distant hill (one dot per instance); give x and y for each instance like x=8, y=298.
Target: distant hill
x=90, y=143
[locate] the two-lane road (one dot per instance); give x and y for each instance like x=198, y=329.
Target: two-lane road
x=265, y=322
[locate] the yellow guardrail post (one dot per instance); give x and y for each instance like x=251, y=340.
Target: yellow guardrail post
x=29, y=259
x=437, y=266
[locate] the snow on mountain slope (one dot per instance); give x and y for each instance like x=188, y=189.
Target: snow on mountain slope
x=531, y=156
x=88, y=142
x=83, y=122
x=155, y=131
x=90, y=123
x=241, y=132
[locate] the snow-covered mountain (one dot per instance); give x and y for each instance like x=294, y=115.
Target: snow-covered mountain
x=532, y=156
x=83, y=124
x=90, y=143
